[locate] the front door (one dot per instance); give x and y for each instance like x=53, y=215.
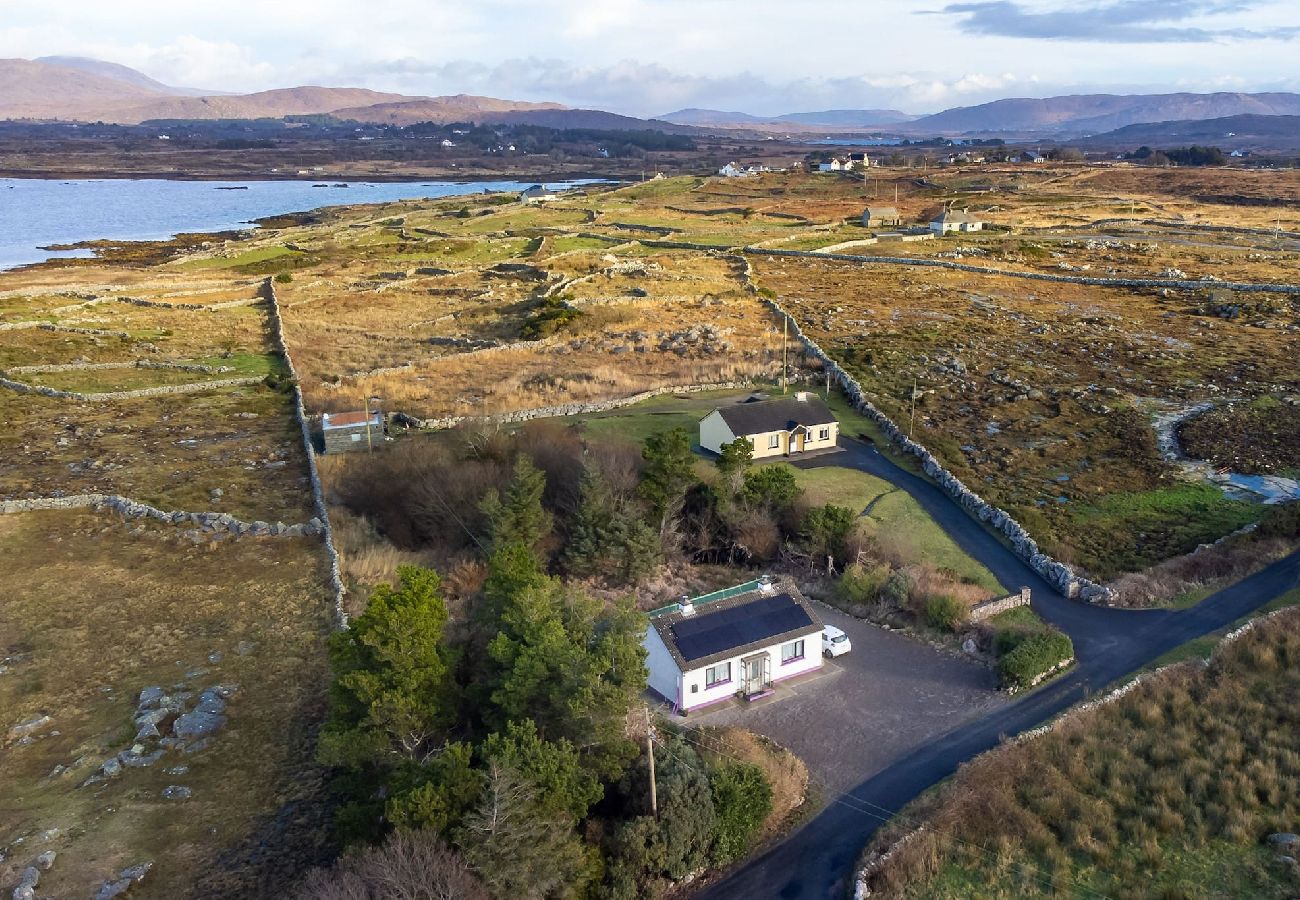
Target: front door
x=756, y=674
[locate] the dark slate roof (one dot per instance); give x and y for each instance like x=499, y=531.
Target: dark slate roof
x=881, y=212
x=783, y=414
x=736, y=626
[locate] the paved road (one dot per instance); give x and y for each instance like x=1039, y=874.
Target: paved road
x=817, y=861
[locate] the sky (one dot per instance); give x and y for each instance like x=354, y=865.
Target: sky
x=646, y=57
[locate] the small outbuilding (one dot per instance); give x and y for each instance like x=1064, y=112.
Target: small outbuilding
x=953, y=221
x=342, y=432
x=881, y=217
x=734, y=643
x=780, y=427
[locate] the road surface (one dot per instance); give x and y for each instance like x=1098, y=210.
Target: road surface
x=818, y=860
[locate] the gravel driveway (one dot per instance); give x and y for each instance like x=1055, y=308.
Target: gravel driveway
x=888, y=696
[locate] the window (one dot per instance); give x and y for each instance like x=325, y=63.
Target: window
x=773, y=441
x=356, y=437
x=716, y=675
x=824, y=434
x=791, y=652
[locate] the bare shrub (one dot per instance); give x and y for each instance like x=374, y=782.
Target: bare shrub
x=1205, y=567
x=409, y=865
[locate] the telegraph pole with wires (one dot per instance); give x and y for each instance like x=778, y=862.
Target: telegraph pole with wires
x=650, y=757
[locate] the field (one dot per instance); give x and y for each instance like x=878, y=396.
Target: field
x=96, y=608
x=1170, y=791
x=1039, y=395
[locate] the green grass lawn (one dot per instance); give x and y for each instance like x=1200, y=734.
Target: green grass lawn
x=261, y=254
x=895, y=518
x=1127, y=532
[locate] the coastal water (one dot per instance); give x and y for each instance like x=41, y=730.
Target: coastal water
x=36, y=213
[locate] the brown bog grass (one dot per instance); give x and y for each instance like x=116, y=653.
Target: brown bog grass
x=1169, y=791
x=96, y=609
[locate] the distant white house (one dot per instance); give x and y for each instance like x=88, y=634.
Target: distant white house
x=537, y=194
x=835, y=165
x=1031, y=156
x=731, y=170
x=736, y=643
x=447, y=142
x=953, y=221
x=780, y=427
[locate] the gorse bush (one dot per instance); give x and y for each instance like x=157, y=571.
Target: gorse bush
x=1033, y=656
x=945, y=612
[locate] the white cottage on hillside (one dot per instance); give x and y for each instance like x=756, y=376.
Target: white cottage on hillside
x=952, y=221
x=777, y=427
x=736, y=642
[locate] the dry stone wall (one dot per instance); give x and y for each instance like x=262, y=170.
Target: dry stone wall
x=24, y=388
x=990, y=608
x=313, y=471
x=1057, y=574
x=566, y=409
x=208, y=522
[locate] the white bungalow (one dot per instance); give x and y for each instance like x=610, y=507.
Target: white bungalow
x=778, y=427
x=952, y=221
x=734, y=643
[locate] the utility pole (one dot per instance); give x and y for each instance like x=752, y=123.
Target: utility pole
x=370, y=445
x=650, y=756
x=828, y=384
x=912, y=424
x=785, y=328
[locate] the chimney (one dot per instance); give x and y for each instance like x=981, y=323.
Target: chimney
x=687, y=608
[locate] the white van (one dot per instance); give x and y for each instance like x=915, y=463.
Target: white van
x=835, y=642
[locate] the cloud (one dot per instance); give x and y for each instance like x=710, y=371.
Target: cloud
x=649, y=89
x=1120, y=22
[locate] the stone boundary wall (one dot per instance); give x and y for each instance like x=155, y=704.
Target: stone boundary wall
x=133, y=509
x=313, y=472
x=65, y=329
x=1057, y=574
x=133, y=364
x=1180, y=284
x=1191, y=226
x=989, y=608
x=567, y=409
x=24, y=388
x=861, y=885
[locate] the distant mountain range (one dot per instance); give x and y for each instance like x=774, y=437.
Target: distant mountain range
x=69, y=88
x=831, y=118
x=85, y=90
x=1247, y=132
x=1081, y=114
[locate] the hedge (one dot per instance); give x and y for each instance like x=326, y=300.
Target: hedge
x=1034, y=656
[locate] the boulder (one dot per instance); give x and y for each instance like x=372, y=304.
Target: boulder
x=176, y=792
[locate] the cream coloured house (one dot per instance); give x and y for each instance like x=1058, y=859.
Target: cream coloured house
x=738, y=642
x=780, y=427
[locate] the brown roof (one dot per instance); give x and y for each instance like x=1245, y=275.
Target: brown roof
x=750, y=636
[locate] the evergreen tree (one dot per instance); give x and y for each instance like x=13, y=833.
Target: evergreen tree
x=669, y=472
x=519, y=517
x=572, y=666
x=639, y=548
x=591, y=533
x=772, y=486
x=391, y=696
x=733, y=460
x=564, y=788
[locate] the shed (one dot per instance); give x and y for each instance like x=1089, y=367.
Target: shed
x=346, y=431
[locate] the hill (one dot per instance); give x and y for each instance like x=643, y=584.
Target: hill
x=1081, y=114
x=122, y=73
x=295, y=101
x=37, y=90
x=1246, y=132
x=833, y=119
